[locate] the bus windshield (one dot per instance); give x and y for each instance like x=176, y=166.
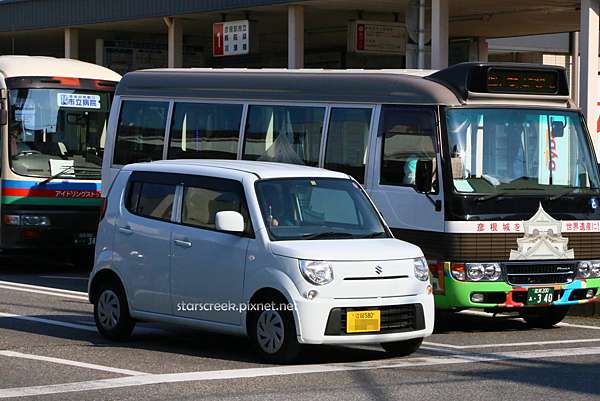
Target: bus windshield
x=57, y=132
x=502, y=151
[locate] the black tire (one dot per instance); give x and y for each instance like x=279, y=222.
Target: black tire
x=280, y=323
x=111, y=312
x=544, y=318
x=402, y=348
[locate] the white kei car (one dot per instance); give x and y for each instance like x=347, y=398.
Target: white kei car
x=285, y=254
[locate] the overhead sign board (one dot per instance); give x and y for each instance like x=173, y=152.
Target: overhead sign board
x=231, y=38
x=377, y=37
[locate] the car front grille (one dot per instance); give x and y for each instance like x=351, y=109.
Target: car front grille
x=559, y=272
x=394, y=319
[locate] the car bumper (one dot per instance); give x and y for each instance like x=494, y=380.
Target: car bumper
x=314, y=319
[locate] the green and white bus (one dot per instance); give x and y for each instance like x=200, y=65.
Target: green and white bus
x=488, y=168
x=54, y=114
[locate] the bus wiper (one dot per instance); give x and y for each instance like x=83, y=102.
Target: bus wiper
x=570, y=191
x=328, y=234
x=504, y=193
x=57, y=175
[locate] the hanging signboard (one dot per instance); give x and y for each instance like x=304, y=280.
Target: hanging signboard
x=377, y=37
x=231, y=38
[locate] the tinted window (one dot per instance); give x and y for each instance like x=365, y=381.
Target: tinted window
x=140, y=132
x=408, y=136
x=205, y=131
x=151, y=200
x=201, y=203
x=347, y=141
x=288, y=134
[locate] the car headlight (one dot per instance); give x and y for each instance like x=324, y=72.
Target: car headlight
x=316, y=272
x=421, y=269
x=588, y=269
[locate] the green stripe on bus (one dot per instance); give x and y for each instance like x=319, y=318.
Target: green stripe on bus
x=30, y=200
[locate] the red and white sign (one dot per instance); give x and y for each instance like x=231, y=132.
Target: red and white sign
x=506, y=227
x=231, y=38
x=377, y=37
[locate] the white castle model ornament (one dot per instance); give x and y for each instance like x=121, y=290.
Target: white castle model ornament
x=542, y=239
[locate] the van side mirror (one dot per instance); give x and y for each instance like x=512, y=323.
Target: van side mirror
x=229, y=221
x=424, y=176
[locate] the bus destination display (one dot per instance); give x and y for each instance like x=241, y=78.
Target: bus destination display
x=500, y=80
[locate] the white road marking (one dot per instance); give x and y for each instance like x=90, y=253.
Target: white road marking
x=579, y=326
x=150, y=379
x=523, y=344
x=38, y=287
x=54, y=294
x=50, y=321
x=61, y=361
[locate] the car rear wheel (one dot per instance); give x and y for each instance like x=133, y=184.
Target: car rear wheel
x=273, y=334
x=402, y=348
x=111, y=312
x=544, y=318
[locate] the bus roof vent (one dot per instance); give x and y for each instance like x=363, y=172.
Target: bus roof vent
x=485, y=80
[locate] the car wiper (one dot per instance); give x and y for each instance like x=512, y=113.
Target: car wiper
x=327, y=234
x=57, y=175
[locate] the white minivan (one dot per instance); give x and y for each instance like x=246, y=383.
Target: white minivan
x=284, y=254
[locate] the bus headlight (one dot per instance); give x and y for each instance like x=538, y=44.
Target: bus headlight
x=588, y=269
x=421, y=269
x=476, y=271
x=29, y=220
x=316, y=272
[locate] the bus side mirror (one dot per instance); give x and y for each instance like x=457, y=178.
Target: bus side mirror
x=558, y=129
x=3, y=116
x=424, y=176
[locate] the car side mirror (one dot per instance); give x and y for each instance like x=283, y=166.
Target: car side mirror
x=229, y=221
x=424, y=176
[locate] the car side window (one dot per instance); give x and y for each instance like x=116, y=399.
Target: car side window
x=140, y=132
x=408, y=136
x=150, y=199
x=205, y=197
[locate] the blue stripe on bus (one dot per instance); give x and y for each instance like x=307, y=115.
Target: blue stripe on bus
x=63, y=185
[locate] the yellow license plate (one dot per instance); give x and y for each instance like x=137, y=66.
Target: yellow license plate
x=363, y=321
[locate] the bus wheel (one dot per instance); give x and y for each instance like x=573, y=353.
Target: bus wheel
x=402, y=348
x=545, y=318
x=111, y=312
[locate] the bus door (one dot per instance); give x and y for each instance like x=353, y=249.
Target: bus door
x=406, y=135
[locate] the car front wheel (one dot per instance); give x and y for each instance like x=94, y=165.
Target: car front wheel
x=111, y=313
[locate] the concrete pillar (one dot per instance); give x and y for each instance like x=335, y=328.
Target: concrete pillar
x=72, y=43
x=574, y=47
x=175, y=42
x=439, y=34
x=588, y=81
x=295, y=37
x=482, y=49
x=421, y=36
x=100, y=51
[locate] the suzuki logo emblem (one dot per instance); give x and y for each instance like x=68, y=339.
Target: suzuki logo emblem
x=378, y=269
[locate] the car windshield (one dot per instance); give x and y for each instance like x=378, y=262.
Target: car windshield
x=317, y=208
x=57, y=132
x=498, y=151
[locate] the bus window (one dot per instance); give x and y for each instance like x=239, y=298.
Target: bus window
x=408, y=136
x=205, y=131
x=141, y=132
x=347, y=140
x=287, y=134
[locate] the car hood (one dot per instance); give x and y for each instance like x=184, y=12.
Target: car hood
x=347, y=249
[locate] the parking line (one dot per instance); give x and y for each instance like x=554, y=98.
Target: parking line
x=14, y=354
x=54, y=294
x=50, y=321
x=523, y=344
x=38, y=287
x=150, y=379
x=579, y=326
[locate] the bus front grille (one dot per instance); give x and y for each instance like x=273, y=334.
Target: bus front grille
x=530, y=273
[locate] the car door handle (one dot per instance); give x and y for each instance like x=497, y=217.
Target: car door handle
x=126, y=230
x=183, y=243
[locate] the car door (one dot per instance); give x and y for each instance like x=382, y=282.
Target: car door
x=406, y=134
x=207, y=266
x=143, y=240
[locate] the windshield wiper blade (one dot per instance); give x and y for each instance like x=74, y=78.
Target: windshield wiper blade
x=504, y=193
x=55, y=176
x=328, y=234
x=378, y=234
